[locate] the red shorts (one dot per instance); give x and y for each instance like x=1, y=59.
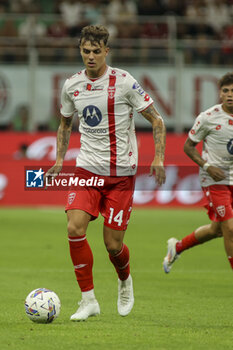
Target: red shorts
x=220, y=202
x=110, y=196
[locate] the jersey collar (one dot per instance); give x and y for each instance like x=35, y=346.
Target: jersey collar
x=95, y=79
x=228, y=114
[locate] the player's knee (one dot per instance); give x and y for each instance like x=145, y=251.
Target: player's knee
x=113, y=247
x=113, y=252
x=75, y=229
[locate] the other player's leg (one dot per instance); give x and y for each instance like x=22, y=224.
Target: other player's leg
x=227, y=229
x=82, y=259
x=221, y=197
x=200, y=235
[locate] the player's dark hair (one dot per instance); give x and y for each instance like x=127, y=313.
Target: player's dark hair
x=94, y=34
x=227, y=79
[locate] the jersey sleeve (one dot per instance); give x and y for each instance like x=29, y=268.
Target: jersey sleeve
x=135, y=94
x=67, y=106
x=199, y=129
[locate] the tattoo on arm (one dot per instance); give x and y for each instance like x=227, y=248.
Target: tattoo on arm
x=159, y=131
x=192, y=152
x=63, y=137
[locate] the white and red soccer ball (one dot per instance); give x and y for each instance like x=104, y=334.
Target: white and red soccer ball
x=42, y=305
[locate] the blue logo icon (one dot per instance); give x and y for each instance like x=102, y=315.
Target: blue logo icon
x=34, y=178
x=230, y=146
x=138, y=88
x=92, y=115
x=136, y=85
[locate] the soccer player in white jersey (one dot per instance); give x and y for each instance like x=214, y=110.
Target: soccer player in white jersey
x=215, y=128
x=104, y=98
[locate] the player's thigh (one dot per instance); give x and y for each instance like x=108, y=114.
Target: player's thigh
x=215, y=229
x=78, y=221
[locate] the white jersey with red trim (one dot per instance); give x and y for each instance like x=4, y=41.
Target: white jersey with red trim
x=105, y=110
x=215, y=128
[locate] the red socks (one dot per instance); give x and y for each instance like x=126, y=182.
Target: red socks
x=82, y=258
x=121, y=263
x=190, y=241
x=186, y=243
x=230, y=261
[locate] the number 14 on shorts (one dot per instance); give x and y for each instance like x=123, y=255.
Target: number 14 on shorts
x=118, y=218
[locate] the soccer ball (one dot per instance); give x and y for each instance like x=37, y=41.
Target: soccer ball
x=42, y=305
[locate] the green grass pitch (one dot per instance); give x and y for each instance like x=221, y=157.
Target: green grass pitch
x=191, y=308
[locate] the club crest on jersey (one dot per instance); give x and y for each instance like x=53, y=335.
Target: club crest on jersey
x=92, y=115
x=230, y=146
x=111, y=91
x=221, y=210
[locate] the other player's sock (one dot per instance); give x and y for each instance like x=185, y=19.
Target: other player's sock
x=82, y=259
x=230, y=258
x=121, y=262
x=186, y=243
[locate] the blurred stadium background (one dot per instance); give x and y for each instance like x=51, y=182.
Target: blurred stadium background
x=177, y=50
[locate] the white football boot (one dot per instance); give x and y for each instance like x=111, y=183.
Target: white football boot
x=171, y=256
x=125, y=296
x=87, y=308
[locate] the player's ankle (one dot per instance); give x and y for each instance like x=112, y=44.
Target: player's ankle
x=88, y=295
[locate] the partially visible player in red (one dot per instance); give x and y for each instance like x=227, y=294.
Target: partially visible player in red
x=215, y=128
x=104, y=98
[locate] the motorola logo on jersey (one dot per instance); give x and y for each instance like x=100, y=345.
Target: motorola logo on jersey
x=92, y=115
x=230, y=146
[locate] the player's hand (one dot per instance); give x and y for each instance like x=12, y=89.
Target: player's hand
x=51, y=173
x=159, y=171
x=216, y=173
